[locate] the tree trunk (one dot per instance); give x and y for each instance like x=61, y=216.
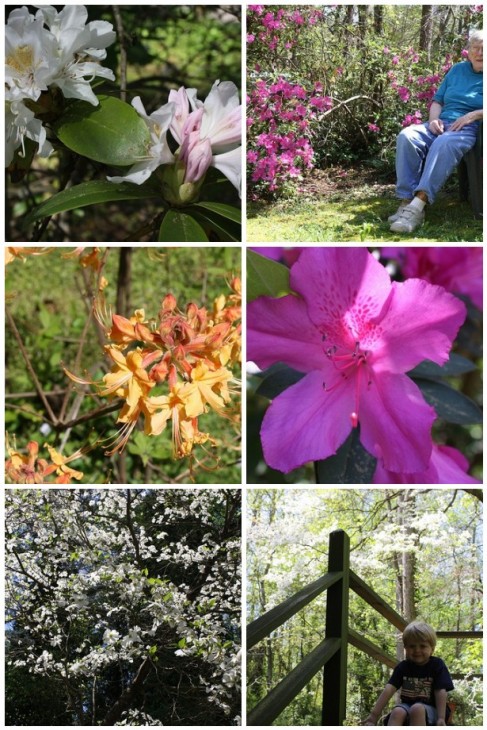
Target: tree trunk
x=123, y=281
x=378, y=19
x=426, y=30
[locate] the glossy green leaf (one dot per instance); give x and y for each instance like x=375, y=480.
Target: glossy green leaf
x=112, y=132
x=351, y=464
x=449, y=403
x=216, y=227
x=265, y=277
x=89, y=193
x=456, y=365
x=223, y=210
x=178, y=227
x=276, y=379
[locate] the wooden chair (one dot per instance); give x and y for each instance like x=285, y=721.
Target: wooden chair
x=470, y=176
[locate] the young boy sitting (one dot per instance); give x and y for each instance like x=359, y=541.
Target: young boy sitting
x=424, y=681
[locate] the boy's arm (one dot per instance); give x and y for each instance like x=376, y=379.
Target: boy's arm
x=440, y=701
x=384, y=697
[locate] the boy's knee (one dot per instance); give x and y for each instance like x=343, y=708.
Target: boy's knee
x=418, y=712
x=397, y=716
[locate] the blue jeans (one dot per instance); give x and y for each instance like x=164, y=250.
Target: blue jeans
x=430, y=713
x=424, y=160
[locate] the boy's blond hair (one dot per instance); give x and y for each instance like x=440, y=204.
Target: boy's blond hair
x=419, y=631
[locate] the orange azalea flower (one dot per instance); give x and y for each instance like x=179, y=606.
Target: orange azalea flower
x=29, y=469
x=20, y=252
x=59, y=465
x=207, y=387
x=188, y=351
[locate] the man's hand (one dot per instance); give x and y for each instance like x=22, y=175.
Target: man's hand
x=436, y=126
x=440, y=721
x=462, y=121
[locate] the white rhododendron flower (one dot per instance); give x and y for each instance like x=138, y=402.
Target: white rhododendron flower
x=158, y=153
x=20, y=123
x=208, y=134
x=30, y=56
x=63, y=55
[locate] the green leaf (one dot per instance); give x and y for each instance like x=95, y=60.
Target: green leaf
x=449, y=404
x=219, y=227
x=456, y=365
x=182, y=643
x=265, y=277
x=179, y=227
x=276, y=379
x=351, y=464
x=89, y=193
x=223, y=210
x=112, y=132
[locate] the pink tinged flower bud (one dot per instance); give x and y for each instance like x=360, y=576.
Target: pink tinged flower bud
x=197, y=157
x=169, y=302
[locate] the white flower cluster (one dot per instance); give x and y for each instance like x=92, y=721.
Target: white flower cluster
x=208, y=133
x=47, y=50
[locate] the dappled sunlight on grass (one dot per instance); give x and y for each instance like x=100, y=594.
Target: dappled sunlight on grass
x=356, y=217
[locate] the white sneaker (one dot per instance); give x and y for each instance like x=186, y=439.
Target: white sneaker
x=408, y=221
x=392, y=218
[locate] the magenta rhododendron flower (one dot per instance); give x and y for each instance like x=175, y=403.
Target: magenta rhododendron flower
x=355, y=334
x=458, y=270
x=447, y=466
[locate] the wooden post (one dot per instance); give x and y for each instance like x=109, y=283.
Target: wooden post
x=335, y=671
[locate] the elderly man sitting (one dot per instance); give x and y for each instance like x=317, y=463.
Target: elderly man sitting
x=427, y=154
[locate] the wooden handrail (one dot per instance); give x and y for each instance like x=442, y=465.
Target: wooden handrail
x=373, y=599
x=460, y=634
x=360, y=642
x=279, y=698
x=268, y=622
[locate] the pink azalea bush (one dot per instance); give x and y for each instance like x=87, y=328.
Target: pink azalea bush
x=354, y=334
x=294, y=113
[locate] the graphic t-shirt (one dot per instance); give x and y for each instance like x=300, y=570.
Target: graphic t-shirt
x=419, y=682
x=460, y=92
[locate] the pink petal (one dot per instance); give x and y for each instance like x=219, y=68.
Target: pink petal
x=447, y=466
x=421, y=323
x=279, y=330
x=343, y=288
x=306, y=423
x=395, y=423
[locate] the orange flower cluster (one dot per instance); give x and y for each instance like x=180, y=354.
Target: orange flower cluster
x=174, y=368
x=29, y=469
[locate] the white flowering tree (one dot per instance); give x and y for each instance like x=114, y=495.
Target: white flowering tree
x=123, y=606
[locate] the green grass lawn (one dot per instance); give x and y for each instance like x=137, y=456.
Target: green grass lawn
x=358, y=215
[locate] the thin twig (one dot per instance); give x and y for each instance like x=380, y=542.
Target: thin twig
x=31, y=370
x=23, y=409
x=97, y=413
x=34, y=394
x=76, y=364
x=123, y=52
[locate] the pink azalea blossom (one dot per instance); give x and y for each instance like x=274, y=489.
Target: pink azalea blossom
x=458, y=269
x=447, y=466
x=373, y=128
x=354, y=334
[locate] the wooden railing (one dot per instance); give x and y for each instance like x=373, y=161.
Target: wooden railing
x=331, y=654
